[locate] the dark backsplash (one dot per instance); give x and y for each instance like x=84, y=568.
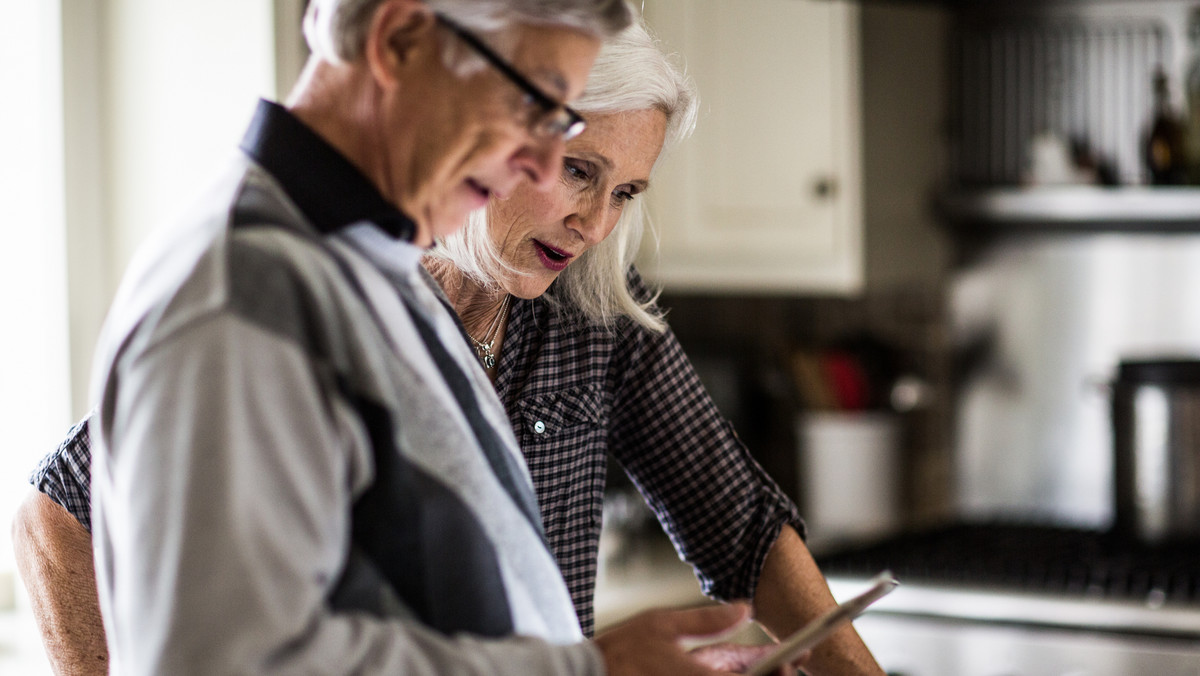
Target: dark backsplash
x=743, y=347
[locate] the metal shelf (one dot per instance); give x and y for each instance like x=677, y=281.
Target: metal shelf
x=1073, y=208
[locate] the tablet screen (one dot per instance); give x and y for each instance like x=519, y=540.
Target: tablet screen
x=814, y=632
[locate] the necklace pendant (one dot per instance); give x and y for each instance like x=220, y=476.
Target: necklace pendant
x=484, y=347
x=486, y=357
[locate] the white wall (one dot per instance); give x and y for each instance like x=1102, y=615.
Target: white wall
x=182, y=81
x=163, y=91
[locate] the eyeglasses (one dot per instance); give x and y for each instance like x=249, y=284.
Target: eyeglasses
x=556, y=119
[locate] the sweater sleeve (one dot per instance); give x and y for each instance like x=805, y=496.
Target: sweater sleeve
x=225, y=464
x=719, y=507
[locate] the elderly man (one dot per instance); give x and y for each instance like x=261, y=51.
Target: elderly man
x=298, y=466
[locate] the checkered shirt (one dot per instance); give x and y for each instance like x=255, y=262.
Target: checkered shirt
x=576, y=393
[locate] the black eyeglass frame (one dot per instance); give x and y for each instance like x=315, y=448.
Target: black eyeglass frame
x=559, y=119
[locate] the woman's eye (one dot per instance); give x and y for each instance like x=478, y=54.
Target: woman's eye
x=621, y=195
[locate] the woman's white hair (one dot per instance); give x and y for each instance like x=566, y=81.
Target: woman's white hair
x=630, y=73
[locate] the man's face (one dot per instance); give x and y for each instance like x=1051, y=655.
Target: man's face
x=469, y=139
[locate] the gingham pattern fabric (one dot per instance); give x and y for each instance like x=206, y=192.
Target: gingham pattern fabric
x=65, y=475
x=628, y=392
x=575, y=393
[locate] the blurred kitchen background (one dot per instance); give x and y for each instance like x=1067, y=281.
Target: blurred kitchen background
x=908, y=249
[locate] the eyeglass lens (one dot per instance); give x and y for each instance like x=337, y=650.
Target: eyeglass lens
x=556, y=119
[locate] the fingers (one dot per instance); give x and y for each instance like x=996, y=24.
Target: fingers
x=706, y=623
x=730, y=657
x=737, y=658
x=652, y=642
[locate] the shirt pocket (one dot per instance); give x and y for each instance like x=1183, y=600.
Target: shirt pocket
x=563, y=438
x=555, y=418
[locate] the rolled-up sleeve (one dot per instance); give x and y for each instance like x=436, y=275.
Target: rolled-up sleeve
x=719, y=507
x=64, y=475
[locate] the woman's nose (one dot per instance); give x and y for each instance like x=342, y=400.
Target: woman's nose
x=588, y=221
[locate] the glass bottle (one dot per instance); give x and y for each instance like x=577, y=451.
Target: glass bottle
x=1163, y=152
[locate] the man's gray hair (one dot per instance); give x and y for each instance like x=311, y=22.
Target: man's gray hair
x=336, y=30
x=630, y=73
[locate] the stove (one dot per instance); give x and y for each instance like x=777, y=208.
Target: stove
x=1027, y=600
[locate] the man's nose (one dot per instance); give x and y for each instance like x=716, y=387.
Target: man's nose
x=541, y=160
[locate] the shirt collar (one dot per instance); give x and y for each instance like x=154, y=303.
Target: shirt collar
x=328, y=189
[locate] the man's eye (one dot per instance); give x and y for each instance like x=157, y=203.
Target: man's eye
x=576, y=171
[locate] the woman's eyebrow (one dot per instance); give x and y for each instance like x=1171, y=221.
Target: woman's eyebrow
x=606, y=164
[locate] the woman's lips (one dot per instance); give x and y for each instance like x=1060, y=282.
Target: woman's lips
x=553, y=259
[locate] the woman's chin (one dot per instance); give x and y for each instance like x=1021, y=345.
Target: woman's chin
x=532, y=287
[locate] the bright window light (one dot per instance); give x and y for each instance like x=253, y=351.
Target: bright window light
x=34, y=368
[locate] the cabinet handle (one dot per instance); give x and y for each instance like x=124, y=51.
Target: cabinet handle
x=825, y=187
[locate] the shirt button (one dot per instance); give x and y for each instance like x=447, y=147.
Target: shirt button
x=539, y=427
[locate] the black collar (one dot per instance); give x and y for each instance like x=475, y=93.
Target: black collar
x=330, y=190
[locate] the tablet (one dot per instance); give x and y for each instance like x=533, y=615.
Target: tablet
x=814, y=632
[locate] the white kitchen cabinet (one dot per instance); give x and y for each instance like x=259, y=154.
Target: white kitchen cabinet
x=767, y=195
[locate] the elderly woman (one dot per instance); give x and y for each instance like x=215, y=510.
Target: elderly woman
x=587, y=368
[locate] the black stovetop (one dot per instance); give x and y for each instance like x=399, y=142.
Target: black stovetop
x=1031, y=558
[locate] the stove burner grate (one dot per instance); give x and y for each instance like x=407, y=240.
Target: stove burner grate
x=1030, y=558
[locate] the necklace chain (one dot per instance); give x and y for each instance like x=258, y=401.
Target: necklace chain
x=484, y=347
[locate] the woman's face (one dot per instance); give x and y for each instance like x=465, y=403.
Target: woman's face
x=542, y=231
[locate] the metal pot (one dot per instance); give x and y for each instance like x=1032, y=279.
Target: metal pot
x=1156, y=441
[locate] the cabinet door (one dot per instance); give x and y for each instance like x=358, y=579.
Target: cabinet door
x=766, y=196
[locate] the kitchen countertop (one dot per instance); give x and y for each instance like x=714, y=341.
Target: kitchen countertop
x=973, y=604
x=644, y=572
x=637, y=573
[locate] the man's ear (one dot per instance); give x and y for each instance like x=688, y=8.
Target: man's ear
x=400, y=31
